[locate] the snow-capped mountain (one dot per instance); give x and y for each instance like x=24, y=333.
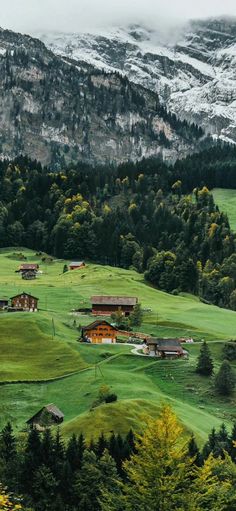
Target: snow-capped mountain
x=58, y=111
x=193, y=70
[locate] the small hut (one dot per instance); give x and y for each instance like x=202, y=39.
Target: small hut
x=48, y=416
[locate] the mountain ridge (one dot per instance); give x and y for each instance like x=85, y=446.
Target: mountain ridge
x=57, y=111
x=194, y=74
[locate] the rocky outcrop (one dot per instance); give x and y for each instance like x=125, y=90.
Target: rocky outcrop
x=193, y=71
x=57, y=111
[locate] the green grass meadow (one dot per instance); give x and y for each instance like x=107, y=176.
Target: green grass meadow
x=39, y=365
x=226, y=200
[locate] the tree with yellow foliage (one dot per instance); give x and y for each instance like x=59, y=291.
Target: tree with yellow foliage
x=5, y=502
x=162, y=477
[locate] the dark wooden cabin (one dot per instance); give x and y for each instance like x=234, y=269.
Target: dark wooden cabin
x=29, y=275
x=49, y=415
x=24, y=302
x=99, y=332
x=164, y=348
x=106, y=305
x=3, y=303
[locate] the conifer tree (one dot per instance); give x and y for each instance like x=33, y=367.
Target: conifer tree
x=45, y=490
x=225, y=379
x=32, y=459
x=101, y=445
x=87, y=484
x=194, y=452
x=72, y=454
x=8, y=458
x=205, y=365
x=136, y=317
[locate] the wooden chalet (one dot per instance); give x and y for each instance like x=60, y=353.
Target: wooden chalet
x=106, y=305
x=76, y=265
x=164, y=348
x=99, y=332
x=49, y=415
x=4, y=303
x=28, y=267
x=24, y=302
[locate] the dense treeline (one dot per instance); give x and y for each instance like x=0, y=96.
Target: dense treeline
x=146, y=215
x=157, y=470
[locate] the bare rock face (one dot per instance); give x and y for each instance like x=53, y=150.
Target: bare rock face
x=57, y=110
x=193, y=71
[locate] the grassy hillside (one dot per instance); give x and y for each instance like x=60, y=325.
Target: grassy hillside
x=29, y=351
x=226, y=200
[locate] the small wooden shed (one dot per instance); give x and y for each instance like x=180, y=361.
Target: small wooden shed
x=76, y=265
x=49, y=415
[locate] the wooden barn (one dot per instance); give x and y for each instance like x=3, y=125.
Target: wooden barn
x=164, y=348
x=3, y=303
x=49, y=415
x=26, y=267
x=76, y=265
x=106, y=305
x=24, y=302
x=99, y=332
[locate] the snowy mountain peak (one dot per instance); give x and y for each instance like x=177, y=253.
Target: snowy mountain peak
x=193, y=69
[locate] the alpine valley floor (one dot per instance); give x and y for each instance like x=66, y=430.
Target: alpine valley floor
x=40, y=366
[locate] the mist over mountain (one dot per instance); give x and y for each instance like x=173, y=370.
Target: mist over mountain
x=192, y=67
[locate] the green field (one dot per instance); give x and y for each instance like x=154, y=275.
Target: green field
x=226, y=200
x=56, y=368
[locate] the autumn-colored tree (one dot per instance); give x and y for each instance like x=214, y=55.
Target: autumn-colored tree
x=162, y=477
x=160, y=466
x=6, y=502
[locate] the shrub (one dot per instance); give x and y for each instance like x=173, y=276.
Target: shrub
x=111, y=398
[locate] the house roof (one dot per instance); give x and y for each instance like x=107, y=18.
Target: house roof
x=52, y=409
x=23, y=293
x=114, y=300
x=4, y=299
x=164, y=342
x=97, y=323
x=77, y=263
x=170, y=345
x=29, y=266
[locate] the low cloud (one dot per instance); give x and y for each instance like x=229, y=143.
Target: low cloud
x=79, y=15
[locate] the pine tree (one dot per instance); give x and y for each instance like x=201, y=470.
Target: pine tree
x=205, y=365
x=194, y=452
x=72, y=454
x=225, y=379
x=110, y=489
x=101, y=445
x=32, y=459
x=8, y=458
x=44, y=490
x=81, y=449
x=58, y=455
x=87, y=484
x=136, y=317
x=47, y=449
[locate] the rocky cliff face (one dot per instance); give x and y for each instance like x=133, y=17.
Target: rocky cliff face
x=57, y=110
x=193, y=71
